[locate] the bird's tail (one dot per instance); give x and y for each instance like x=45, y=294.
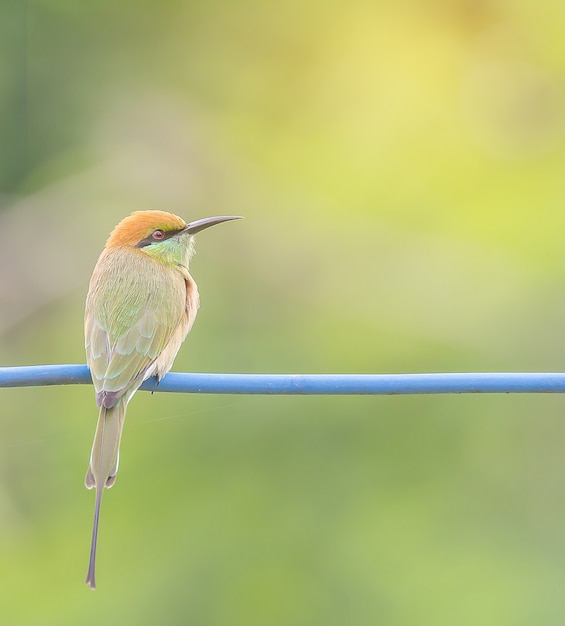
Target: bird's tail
x=103, y=467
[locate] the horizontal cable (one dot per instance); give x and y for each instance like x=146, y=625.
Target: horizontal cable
x=302, y=384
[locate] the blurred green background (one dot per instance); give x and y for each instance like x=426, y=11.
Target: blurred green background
x=401, y=169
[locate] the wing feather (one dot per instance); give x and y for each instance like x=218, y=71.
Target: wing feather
x=129, y=322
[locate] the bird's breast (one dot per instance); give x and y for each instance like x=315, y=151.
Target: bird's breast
x=192, y=301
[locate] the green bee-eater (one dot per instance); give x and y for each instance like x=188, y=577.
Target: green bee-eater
x=141, y=304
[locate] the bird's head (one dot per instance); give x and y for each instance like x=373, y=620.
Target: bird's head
x=160, y=234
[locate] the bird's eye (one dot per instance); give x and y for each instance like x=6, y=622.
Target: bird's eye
x=158, y=234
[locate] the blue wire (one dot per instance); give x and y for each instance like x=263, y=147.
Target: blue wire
x=303, y=384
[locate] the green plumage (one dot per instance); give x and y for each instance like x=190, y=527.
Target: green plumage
x=134, y=305
x=140, y=306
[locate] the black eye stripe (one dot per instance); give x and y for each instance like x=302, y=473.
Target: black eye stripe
x=167, y=234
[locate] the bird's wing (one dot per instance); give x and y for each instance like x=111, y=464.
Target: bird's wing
x=126, y=332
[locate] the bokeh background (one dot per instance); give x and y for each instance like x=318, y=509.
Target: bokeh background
x=400, y=166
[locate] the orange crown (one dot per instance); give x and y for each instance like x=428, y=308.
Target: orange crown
x=140, y=224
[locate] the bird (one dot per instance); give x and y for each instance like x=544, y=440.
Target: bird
x=141, y=304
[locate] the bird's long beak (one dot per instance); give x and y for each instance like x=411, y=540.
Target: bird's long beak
x=195, y=227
